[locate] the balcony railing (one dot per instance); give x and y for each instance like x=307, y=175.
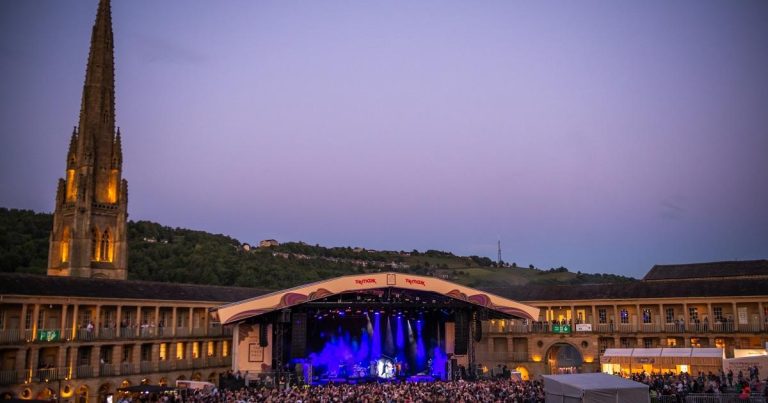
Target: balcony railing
x=50, y=374
x=107, y=370
x=518, y=355
x=15, y=336
x=10, y=336
x=107, y=333
x=146, y=367
x=128, y=368
x=9, y=377
x=650, y=328
x=165, y=365
x=84, y=371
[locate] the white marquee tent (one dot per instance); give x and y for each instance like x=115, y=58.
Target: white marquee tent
x=593, y=388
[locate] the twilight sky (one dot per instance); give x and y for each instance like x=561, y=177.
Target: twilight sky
x=604, y=136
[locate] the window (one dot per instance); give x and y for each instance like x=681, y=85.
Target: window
x=41, y=318
x=670, y=315
x=693, y=313
x=602, y=316
x=84, y=316
x=671, y=342
x=180, y=351
x=211, y=349
x=648, y=343
x=718, y=312
x=225, y=348
x=720, y=343
x=105, y=248
x=105, y=355
x=94, y=245
x=646, y=315
x=28, y=319
x=163, y=351
x=695, y=342
x=624, y=316
x=196, y=349
x=146, y=352
x=65, y=245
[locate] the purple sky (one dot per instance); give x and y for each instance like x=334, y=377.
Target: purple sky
x=603, y=136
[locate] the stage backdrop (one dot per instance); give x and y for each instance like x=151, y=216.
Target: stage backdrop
x=248, y=354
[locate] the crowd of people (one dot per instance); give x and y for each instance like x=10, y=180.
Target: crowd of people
x=683, y=384
x=501, y=389
x=483, y=391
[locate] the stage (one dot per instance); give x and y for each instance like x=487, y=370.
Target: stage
x=378, y=327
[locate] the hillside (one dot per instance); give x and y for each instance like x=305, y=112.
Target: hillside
x=159, y=253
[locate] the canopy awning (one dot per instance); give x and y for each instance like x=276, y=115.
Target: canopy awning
x=261, y=305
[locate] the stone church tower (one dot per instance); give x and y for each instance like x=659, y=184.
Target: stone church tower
x=89, y=222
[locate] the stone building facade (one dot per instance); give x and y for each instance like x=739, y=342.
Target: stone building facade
x=717, y=304
x=79, y=339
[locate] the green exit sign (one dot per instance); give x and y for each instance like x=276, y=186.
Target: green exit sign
x=561, y=328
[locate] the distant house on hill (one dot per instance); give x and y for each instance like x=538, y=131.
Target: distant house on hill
x=268, y=243
x=246, y=247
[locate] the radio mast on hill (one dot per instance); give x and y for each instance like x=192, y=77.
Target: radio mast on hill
x=499, y=244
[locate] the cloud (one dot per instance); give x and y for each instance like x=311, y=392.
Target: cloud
x=155, y=50
x=670, y=211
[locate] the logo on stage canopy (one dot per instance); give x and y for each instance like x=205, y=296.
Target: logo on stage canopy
x=364, y=281
x=415, y=281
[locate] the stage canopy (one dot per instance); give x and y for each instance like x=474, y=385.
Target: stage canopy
x=378, y=290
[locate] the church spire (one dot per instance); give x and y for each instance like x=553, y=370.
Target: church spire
x=97, y=111
x=89, y=237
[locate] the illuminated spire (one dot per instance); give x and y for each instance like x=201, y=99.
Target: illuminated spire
x=97, y=111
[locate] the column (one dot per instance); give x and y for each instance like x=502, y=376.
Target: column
x=662, y=318
x=97, y=325
x=64, y=320
x=34, y=355
x=140, y=322
x=117, y=355
x=21, y=362
x=155, y=358
x=96, y=360
x=23, y=321
x=593, y=321
x=74, y=321
x=61, y=359
x=136, y=357
x=735, y=324
x=639, y=324
x=157, y=315
x=118, y=352
x=36, y=317
x=761, y=311
x=173, y=322
x=119, y=322
x=190, y=324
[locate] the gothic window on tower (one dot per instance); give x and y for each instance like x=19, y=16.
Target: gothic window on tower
x=106, y=247
x=71, y=188
x=112, y=187
x=95, y=245
x=65, y=236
